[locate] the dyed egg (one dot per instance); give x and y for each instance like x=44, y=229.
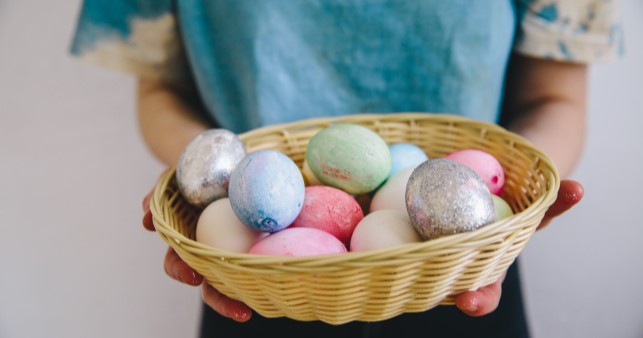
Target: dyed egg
x=220, y=228
x=349, y=157
x=298, y=242
x=444, y=197
x=405, y=155
x=392, y=194
x=382, y=229
x=331, y=210
x=485, y=165
x=205, y=165
x=309, y=176
x=266, y=190
x=503, y=210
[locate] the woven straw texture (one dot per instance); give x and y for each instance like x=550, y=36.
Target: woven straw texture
x=374, y=285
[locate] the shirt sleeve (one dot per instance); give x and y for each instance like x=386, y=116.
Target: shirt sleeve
x=139, y=37
x=581, y=31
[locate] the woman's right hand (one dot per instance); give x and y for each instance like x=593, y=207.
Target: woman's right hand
x=177, y=269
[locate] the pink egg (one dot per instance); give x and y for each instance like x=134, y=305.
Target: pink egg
x=298, y=242
x=484, y=164
x=331, y=210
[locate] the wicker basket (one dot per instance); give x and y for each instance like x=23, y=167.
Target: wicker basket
x=375, y=285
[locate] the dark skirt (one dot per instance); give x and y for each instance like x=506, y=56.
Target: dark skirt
x=508, y=320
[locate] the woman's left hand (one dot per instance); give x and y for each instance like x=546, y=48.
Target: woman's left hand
x=485, y=300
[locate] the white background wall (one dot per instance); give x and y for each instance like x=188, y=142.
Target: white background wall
x=75, y=261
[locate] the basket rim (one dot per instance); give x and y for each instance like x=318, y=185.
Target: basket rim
x=174, y=237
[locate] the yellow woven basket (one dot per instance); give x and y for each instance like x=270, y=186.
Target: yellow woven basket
x=375, y=285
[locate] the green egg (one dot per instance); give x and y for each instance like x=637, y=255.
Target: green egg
x=349, y=157
x=503, y=210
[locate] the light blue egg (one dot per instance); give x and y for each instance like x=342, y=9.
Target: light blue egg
x=405, y=155
x=266, y=190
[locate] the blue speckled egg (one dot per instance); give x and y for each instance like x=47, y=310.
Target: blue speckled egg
x=405, y=155
x=266, y=190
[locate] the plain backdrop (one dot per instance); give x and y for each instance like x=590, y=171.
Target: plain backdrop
x=75, y=261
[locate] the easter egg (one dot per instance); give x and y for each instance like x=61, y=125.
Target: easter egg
x=298, y=242
x=392, y=195
x=485, y=165
x=349, y=157
x=205, y=165
x=266, y=190
x=503, y=210
x=331, y=210
x=445, y=197
x=220, y=228
x=309, y=176
x=382, y=229
x=405, y=155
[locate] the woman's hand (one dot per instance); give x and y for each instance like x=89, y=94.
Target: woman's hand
x=485, y=300
x=177, y=269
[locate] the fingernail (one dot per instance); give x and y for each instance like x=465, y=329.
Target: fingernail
x=195, y=278
x=240, y=316
x=470, y=306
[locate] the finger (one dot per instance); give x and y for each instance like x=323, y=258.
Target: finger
x=569, y=194
x=482, y=301
x=148, y=221
x=225, y=306
x=176, y=268
x=146, y=201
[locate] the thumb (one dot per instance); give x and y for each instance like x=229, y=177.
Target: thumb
x=569, y=194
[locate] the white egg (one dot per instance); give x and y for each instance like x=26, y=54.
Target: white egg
x=383, y=229
x=392, y=195
x=219, y=227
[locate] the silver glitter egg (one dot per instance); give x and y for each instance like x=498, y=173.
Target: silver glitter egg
x=204, y=168
x=444, y=197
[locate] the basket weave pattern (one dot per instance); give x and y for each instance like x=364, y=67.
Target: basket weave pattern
x=374, y=285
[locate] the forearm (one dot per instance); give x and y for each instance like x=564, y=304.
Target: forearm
x=558, y=129
x=546, y=103
x=167, y=121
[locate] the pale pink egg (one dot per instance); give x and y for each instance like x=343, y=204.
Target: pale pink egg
x=331, y=210
x=383, y=229
x=220, y=228
x=484, y=164
x=298, y=242
x=392, y=195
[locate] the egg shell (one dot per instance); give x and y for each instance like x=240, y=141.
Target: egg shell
x=266, y=190
x=205, y=165
x=349, y=157
x=503, y=210
x=484, y=164
x=445, y=197
x=392, y=195
x=383, y=229
x=405, y=155
x=309, y=177
x=298, y=242
x=331, y=210
x=220, y=228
